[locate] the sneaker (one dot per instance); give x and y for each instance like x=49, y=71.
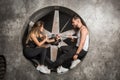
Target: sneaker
x=61, y=70
x=75, y=63
x=43, y=69
x=47, y=69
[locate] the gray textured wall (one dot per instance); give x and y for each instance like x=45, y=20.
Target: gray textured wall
x=103, y=19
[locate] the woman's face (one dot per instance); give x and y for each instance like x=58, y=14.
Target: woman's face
x=41, y=28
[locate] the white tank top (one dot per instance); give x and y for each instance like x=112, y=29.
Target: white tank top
x=86, y=45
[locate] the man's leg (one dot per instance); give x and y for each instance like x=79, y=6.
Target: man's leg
x=67, y=63
x=80, y=57
x=82, y=54
x=68, y=53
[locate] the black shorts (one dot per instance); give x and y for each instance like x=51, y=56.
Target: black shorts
x=72, y=51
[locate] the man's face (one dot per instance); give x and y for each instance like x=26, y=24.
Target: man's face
x=74, y=23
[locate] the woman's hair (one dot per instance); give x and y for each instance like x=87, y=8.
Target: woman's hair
x=35, y=30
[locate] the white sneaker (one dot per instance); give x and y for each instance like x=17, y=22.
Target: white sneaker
x=75, y=63
x=43, y=69
x=61, y=70
x=47, y=69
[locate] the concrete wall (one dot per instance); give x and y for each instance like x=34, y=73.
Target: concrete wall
x=102, y=18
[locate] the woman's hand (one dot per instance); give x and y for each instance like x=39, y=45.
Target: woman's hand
x=46, y=38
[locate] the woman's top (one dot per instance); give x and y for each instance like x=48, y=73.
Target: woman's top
x=32, y=44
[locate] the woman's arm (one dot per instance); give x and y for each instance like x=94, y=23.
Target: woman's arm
x=54, y=39
x=50, y=40
x=33, y=37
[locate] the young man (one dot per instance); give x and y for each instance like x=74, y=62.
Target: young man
x=74, y=53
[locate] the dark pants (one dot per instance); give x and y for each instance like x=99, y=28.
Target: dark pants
x=35, y=53
x=65, y=56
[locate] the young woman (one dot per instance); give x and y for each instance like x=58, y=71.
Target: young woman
x=35, y=46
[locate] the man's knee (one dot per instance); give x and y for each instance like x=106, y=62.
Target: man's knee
x=65, y=47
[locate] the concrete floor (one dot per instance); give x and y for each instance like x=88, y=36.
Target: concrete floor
x=103, y=19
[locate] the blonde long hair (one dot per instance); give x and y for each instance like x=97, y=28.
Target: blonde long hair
x=35, y=30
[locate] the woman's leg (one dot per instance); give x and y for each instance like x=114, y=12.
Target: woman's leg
x=36, y=53
x=41, y=55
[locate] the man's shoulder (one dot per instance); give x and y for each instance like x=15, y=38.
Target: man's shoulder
x=84, y=30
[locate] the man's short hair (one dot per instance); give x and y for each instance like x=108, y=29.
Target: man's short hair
x=76, y=17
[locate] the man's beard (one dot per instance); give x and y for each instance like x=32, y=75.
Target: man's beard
x=76, y=29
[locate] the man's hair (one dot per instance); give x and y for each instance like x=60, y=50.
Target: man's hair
x=76, y=17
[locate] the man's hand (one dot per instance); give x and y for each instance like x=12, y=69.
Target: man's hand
x=58, y=37
x=70, y=36
x=75, y=56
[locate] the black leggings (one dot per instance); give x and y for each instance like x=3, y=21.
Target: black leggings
x=66, y=54
x=35, y=53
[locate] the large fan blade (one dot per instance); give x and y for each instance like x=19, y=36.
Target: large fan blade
x=62, y=44
x=48, y=33
x=53, y=50
x=67, y=33
x=55, y=30
x=55, y=27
